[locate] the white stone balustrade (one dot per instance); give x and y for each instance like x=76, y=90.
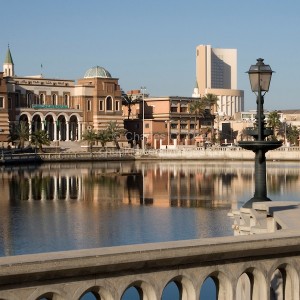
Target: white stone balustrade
x=241, y=266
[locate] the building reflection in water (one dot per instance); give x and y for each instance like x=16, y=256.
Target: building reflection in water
x=62, y=204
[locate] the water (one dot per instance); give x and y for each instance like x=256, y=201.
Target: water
x=56, y=207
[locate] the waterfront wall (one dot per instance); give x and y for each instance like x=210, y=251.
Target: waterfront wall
x=222, y=153
x=268, y=263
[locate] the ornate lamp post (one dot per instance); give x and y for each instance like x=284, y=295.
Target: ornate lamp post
x=260, y=78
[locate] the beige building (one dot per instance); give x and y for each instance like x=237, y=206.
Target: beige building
x=167, y=122
x=216, y=73
x=62, y=107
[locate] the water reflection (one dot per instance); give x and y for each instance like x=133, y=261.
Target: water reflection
x=70, y=206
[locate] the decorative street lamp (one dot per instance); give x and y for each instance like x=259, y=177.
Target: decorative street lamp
x=143, y=89
x=260, y=78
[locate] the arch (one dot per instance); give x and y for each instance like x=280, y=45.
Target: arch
x=98, y=292
x=223, y=285
x=258, y=284
x=25, y=117
x=62, y=128
x=208, y=289
x=45, y=294
x=144, y=289
x=36, y=122
x=74, y=127
x=185, y=287
x=109, y=103
x=284, y=282
x=49, y=125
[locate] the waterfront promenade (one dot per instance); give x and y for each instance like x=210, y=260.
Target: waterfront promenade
x=199, y=153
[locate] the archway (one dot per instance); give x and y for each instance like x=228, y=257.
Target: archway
x=36, y=123
x=96, y=293
x=62, y=128
x=49, y=127
x=180, y=288
x=284, y=283
x=73, y=128
x=217, y=285
x=139, y=290
x=254, y=284
x=209, y=289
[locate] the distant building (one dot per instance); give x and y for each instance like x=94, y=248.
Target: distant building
x=167, y=122
x=62, y=107
x=216, y=73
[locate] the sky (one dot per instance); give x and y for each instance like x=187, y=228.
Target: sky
x=153, y=43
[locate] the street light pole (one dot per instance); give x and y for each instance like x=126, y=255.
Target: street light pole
x=260, y=78
x=143, y=88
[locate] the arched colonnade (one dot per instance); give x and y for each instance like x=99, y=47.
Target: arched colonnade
x=60, y=127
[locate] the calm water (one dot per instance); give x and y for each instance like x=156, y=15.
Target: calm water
x=57, y=207
x=74, y=206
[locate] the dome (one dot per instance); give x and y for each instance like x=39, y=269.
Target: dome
x=97, y=72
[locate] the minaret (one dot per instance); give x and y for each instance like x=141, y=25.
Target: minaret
x=196, y=91
x=8, y=65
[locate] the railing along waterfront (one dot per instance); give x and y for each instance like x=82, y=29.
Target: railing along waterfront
x=200, y=153
x=242, y=267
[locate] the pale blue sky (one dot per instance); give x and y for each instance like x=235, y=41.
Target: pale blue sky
x=152, y=43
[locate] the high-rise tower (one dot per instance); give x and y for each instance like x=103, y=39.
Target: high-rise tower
x=216, y=73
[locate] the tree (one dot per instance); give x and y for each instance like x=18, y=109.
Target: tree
x=20, y=134
x=292, y=134
x=210, y=100
x=103, y=137
x=90, y=136
x=114, y=132
x=40, y=138
x=127, y=101
x=274, y=122
x=197, y=108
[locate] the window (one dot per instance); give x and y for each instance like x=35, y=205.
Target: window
x=101, y=105
x=66, y=100
x=109, y=103
x=1, y=102
x=42, y=98
x=89, y=106
x=117, y=105
x=147, y=125
x=54, y=99
x=28, y=99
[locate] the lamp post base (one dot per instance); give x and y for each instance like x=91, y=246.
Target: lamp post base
x=249, y=203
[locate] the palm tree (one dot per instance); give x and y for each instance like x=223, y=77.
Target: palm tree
x=211, y=100
x=197, y=108
x=103, y=137
x=114, y=132
x=292, y=134
x=20, y=134
x=40, y=138
x=127, y=101
x=274, y=122
x=90, y=136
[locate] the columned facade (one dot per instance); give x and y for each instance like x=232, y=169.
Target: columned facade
x=61, y=107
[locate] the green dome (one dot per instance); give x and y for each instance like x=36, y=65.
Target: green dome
x=97, y=72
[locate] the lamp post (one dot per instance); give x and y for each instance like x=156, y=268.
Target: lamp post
x=143, y=88
x=260, y=78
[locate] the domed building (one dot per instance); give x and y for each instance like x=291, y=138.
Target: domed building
x=62, y=107
x=97, y=72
